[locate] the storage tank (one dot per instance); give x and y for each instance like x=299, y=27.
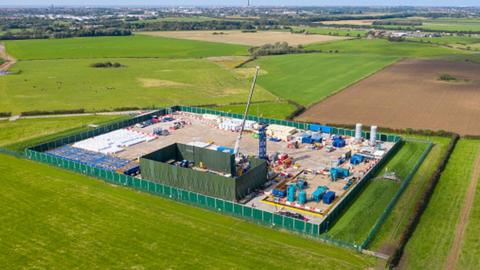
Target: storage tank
x=302, y=197
x=358, y=132
x=291, y=193
x=373, y=135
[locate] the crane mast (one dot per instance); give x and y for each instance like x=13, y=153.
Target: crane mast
x=252, y=88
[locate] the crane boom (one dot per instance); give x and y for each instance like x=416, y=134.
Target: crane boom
x=252, y=88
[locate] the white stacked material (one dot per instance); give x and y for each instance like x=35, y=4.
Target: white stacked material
x=236, y=125
x=113, y=142
x=379, y=153
x=211, y=117
x=200, y=144
x=281, y=132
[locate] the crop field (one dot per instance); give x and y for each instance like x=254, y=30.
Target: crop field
x=409, y=94
x=450, y=40
x=386, y=48
x=432, y=241
x=350, y=22
x=390, y=232
x=438, y=24
x=26, y=132
x=111, y=47
x=44, y=84
x=239, y=37
x=332, y=31
x=357, y=221
x=309, y=78
x=452, y=24
x=277, y=110
x=98, y=225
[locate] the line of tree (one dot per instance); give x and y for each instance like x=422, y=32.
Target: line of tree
x=402, y=23
x=422, y=204
x=42, y=34
x=278, y=48
x=106, y=65
x=203, y=25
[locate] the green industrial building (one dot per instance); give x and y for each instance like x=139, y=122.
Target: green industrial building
x=159, y=166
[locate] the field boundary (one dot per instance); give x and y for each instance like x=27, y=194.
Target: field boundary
x=381, y=220
x=422, y=204
x=461, y=226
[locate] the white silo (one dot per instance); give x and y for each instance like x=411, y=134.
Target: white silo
x=358, y=132
x=373, y=135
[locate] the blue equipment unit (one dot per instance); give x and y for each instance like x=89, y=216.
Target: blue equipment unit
x=301, y=184
x=338, y=142
x=320, y=128
x=348, y=185
x=279, y=193
x=318, y=194
x=329, y=197
x=133, y=170
x=275, y=139
x=336, y=173
x=262, y=142
x=356, y=159
x=291, y=193
x=302, y=197
x=225, y=149
x=314, y=127
x=317, y=138
x=307, y=139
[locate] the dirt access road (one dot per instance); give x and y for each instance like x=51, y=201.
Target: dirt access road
x=464, y=216
x=9, y=60
x=409, y=94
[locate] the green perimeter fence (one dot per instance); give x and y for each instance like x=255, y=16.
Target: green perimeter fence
x=212, y=203
x=378, y=224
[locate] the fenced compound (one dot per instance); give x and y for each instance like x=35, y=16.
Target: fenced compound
x=223, y=206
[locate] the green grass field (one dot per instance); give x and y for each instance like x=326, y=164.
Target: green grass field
x=470, y=254
x=332, y=31
x=113, y=47
x=452, y=24
x=277, y=110
x=56, y=219
x=357, y=221
x=27, y=132
x=391, y=230
x=309, y=78
x=386, y=48
x=73, y=84
x=431, y=242
x=440, y=24
x=449, y=40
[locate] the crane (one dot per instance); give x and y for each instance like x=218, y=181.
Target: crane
x=239, y=138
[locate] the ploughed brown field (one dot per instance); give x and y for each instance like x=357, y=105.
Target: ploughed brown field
x=243, y=38
x=409, y=94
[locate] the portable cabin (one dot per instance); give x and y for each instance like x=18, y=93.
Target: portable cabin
x=329, y=197
x=318, y=193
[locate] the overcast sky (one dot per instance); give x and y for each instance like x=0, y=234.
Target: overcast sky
x=243, y=2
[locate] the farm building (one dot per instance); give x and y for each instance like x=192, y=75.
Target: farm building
x=202, y=170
